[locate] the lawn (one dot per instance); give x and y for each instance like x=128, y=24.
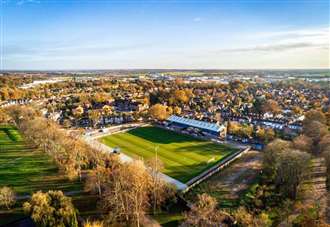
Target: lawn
x=183, y=156
x=27, y=170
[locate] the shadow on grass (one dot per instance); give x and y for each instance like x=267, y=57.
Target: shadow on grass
x=207, y=148
x=159, y=135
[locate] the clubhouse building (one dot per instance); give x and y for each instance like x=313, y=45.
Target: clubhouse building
x=196, y=126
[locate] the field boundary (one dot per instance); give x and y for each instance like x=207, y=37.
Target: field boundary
x=214, y=169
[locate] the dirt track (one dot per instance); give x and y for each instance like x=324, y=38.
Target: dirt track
x=233, y=180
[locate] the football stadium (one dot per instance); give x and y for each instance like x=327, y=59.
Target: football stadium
x=183, y=156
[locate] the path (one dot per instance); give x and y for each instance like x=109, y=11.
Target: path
x=313, y=190
x=317, y=190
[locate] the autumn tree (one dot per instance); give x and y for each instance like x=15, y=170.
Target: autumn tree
x=290, y=167
x=126, y=195
x=51, y=209
x=7, y=197
x=98, y=177
x=303, y=143
x=205, y=213
x=181, y=96
x=94, y=116
x=325, y=143
x=284, y=166
x=314, y=115
x=177, y=110
x=272, y=154
x=271, y=106
x=78, y=112
x=4, y=117
x=160, y=191
x=246, y=219
x=158, y=112
x=107, y=110
x=315, y=130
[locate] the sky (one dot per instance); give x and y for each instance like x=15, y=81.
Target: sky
x=164, y=34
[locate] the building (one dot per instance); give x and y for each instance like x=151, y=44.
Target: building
x=203, y=127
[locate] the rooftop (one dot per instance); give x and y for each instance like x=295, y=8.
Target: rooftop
x=195, y=123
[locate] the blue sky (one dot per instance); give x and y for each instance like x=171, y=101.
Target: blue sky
x=224, y=34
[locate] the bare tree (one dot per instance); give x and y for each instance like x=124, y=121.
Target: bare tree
x=126, y=194
x=160, y=190
x=204, y=213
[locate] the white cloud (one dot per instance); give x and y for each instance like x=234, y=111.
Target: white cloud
x=278, y=47
x=286, y=40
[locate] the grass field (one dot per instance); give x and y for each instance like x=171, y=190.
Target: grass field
x=183, y=156
x=25, y=169
x=28, y=170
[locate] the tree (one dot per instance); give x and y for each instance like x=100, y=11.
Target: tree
x=107, y=110
x=289, y=170
x=303, y=143
x=177, y=110
x=315, y=130
x=314, y=115
x=126, y=195
x=204, y=213
x=272, y=155
x=51, y=209
x=245, y=219
x=7, y=197
x=271, y=106
x=181, y=96
x=158, y=112
x=78, y=112
x=96, y=179
x=94, y=116
x=269, y=134
x=160, y=190
x=325, y=142
x=4, y=117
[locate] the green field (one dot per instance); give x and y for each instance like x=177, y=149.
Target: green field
x=183, y=156
x=27, y=170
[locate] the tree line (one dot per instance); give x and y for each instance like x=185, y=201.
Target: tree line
x=126, y=192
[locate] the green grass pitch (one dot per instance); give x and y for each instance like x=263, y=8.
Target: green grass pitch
x=183, y=156
x=26, y=169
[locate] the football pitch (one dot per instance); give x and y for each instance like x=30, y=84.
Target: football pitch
x=184, y=157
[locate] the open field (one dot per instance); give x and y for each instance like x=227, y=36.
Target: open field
x=183, y=156
x=25, y=169
x=28, y=170
x=230, y=184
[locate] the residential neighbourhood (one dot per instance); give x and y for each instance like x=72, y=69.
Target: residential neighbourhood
x=144, y=113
